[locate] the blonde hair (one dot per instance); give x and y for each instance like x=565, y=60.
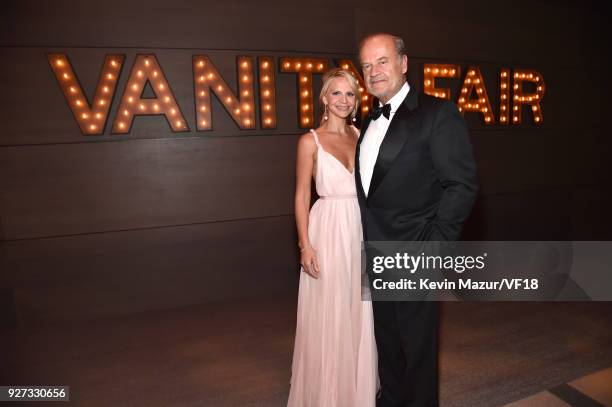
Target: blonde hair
x=327, y=80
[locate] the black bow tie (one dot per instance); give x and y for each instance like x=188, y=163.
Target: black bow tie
x=378, y=110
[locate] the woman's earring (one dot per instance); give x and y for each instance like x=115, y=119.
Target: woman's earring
x=354, y=116
x=325, y=114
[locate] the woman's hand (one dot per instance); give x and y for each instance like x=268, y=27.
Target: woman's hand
x=309, y=261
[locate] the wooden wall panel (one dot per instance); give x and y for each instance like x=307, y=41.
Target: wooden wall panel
x=526, y=32
x=537, y=159
x=590, y=211
x=564, y=213
x=80, y=188
x=529, y=215
x=103, y=274
x=231, y=24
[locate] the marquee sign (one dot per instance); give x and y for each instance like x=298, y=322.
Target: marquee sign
x=92, y=116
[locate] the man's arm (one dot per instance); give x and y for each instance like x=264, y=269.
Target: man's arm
x=455, y=167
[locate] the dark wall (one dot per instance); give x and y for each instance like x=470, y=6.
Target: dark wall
x=106, y=225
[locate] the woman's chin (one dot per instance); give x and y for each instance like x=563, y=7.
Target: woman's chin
x=342, y=115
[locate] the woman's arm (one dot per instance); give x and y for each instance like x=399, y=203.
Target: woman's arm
x=306, y=154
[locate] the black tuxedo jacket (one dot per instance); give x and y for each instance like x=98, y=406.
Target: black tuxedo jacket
x=424, y=181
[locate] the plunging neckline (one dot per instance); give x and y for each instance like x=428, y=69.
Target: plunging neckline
x=337, y=160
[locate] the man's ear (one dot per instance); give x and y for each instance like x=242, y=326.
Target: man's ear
x=404, y=64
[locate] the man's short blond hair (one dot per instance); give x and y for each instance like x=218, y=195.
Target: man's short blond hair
x=399, y=43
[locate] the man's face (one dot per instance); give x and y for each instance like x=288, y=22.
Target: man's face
x=383, y=69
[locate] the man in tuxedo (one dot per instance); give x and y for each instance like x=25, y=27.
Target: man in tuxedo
x=416, y=181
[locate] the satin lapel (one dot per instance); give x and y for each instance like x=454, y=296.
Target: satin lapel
x=395, y=138
x=364, y=127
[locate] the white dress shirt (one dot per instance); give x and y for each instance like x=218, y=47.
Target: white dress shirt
x=374, y=136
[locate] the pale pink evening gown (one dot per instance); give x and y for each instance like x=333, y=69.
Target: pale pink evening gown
x=334, y=357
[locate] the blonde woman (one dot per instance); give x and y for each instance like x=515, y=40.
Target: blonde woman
x=334, y=358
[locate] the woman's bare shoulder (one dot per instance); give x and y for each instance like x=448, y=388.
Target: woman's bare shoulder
x=307, y=141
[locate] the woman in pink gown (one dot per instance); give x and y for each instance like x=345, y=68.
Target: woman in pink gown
x=334, y=357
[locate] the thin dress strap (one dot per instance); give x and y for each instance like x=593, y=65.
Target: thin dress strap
x=314, y=133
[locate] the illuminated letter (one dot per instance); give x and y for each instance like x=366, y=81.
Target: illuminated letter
x=91, y=118
x=304, y=68
x=267, y=93
x=208, y=79
x=146, y=69
x=473, y=80
x=533, y=99
x=433, y=71
x=504, y=96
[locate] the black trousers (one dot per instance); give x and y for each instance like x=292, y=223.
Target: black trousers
x=407, y=342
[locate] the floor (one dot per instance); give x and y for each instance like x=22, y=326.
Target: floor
x=239, y=354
